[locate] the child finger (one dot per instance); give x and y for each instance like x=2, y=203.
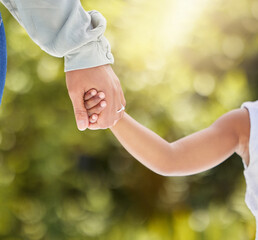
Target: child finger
x=92, y=102
x=94, y=118
x=97, y=109
x=89, y=94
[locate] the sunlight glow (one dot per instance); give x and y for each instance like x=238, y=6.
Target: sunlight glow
x=181, y=17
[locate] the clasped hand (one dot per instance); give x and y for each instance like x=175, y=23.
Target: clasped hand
x=103, y=78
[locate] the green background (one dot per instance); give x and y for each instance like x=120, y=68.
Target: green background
x=182, y=64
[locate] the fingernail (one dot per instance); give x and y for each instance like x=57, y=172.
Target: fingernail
x=101, y=95
x=82, y=125
x=103, y=104
x=94, y=117
x=93, y=92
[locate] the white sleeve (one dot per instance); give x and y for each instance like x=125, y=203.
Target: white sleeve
x=63, y=28
x=252, y=108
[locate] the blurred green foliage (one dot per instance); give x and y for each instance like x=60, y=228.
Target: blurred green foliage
x=182, y=64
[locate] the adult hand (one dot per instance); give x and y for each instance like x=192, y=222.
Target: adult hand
x=103, y=79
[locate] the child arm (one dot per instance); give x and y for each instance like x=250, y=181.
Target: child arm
x=192, y=154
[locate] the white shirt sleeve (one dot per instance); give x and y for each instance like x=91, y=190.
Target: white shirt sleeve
x=63, y=28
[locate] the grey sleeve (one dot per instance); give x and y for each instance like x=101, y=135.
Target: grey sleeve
x=63, y=28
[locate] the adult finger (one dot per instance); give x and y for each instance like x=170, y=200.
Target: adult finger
x=80, y=111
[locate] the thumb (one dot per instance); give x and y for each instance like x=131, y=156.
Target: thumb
x=80, y=111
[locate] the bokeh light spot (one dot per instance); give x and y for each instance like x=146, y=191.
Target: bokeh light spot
x=233, y=47
x=48, y=68
x=204, y=84
x=199, y=220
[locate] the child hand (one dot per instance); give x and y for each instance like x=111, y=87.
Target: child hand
x=94, y=103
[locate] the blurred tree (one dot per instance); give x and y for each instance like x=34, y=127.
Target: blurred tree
x=182, y=64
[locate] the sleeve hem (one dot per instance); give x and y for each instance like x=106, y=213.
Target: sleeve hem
x=93, y=54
